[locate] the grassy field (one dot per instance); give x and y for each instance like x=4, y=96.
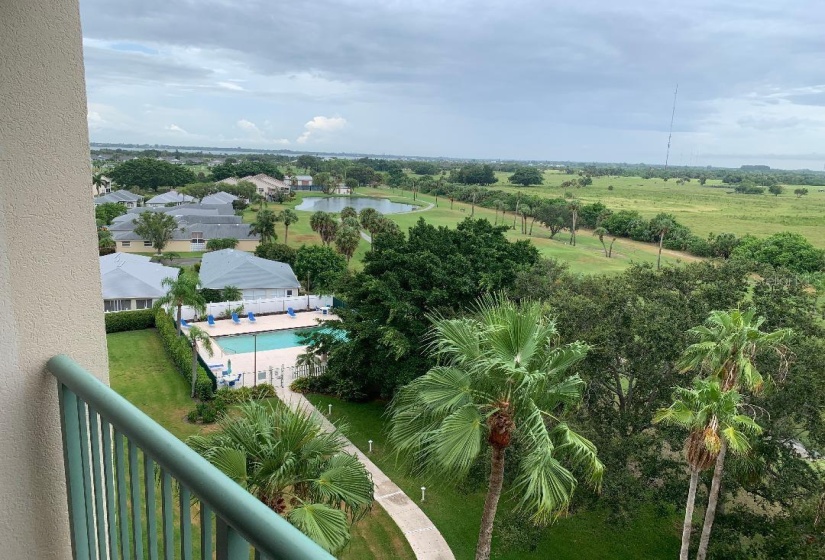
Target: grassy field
x=140, y=371
x=704, y=209
x=457, y=513
x=586, y=257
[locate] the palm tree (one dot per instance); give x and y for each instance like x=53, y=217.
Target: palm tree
x=231, y=293
x=499, y=377
x=286, y=459
x=574, y=206
x=349, y=212
x=727, y=348
x=97, y=181
x=712, y=417
x=325, y=225
x=661, y=226
x=181, y=291
x=600, y=232
x=264, y=225
x=197, y=335
x=288, y=216
x=347, y=240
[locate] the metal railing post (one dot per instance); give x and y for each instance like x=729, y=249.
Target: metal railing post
x=73, y=464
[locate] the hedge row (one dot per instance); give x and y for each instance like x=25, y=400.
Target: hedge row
x=179, y=351
x=129, y=320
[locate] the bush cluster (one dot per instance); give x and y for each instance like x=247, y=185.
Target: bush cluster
x=129, y=320
x=207, y=412
x=328, y=385
x=235, y=396
x=179, y=351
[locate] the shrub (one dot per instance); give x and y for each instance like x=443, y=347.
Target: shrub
x=221, y=243
x=263, y=391
x=129, y=320
x=180, y=353
x=229, y=311
x=206, y=412
x=228, y=396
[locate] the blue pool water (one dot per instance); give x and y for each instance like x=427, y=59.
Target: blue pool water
x=271, y=340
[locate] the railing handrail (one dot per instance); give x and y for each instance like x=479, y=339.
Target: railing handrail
x=264, y=529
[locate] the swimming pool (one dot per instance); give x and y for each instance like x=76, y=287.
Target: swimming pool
x=267, y=340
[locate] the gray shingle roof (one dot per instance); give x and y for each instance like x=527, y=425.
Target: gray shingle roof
x=118, y=196
x=184, y=232
x=133, y=276
x=219, y=198
x=169, y=197
x=230, y=267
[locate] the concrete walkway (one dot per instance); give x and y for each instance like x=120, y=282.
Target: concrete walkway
x=424, y=538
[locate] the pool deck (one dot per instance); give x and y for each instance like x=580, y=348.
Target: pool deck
x=247, y=363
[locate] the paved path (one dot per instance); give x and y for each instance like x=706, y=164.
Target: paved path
x=424, y=538
x=366, y=236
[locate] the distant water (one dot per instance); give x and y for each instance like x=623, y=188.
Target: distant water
x=337, y=203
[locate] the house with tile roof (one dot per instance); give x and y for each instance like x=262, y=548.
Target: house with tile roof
x=132, y=282
x=257, y=278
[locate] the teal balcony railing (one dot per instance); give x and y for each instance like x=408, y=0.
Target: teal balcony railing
x=136, y=491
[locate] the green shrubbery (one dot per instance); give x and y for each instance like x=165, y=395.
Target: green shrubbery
x=327, y=385
x=129, y=320
x=210, y=411
x=179, y=351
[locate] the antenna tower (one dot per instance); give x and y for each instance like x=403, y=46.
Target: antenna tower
x=670, y=134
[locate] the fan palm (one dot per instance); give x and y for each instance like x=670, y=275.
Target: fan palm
x=287, y=460
x=288, y=217
x=231, y=293
x=196, y=336
x=715, y=424
x=500, y=379
x=181, y=291
x=727, y=347
x=264, y=226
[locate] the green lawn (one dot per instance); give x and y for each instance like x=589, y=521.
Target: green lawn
x=140, y=371
x=457, y=514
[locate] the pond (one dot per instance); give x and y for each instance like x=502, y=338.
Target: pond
x=337, y=203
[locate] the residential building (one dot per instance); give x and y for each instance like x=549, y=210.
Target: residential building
x=171, y=197
x=219, y=198
x=55, y=472
x=104, y=187
x=266, y=185
x=132, y=281
x=300, y=182
x=127, y=198
x=257, y=278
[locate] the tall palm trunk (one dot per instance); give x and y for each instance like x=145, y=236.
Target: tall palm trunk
x=286, y=235
x=180, y=310
x=485, y=534
x=687, y=527
x=610, y=252
x=194, y=367
x=659, y=258
x=713, y=499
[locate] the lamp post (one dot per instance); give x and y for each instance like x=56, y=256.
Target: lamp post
x=255, y=360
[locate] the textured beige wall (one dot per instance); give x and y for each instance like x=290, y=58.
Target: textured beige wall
x=50, y=297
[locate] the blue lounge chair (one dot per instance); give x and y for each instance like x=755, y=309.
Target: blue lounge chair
x=290, y=312
x=251, y=317
x=210, y=320
x=235, y=319
x=184, y=324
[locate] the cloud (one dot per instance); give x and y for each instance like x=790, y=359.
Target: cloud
x=249, y=126
x=231, y=86
x=320, y=125
x=418, y=80
x=175, y=128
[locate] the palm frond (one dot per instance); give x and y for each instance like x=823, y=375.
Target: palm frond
x=327, y=526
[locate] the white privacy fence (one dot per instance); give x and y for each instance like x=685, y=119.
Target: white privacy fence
x=261, y=306
x=275, y=376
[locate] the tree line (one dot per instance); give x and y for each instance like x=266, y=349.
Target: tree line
x=645, y=357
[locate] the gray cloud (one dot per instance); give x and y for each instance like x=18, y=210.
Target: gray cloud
x=589, y=64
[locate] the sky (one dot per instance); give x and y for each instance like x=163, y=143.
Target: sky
x=580, y=80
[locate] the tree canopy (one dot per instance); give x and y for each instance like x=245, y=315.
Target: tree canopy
x=433, y=269
x=149, y=173
x=526, y=176
x=156, y=227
